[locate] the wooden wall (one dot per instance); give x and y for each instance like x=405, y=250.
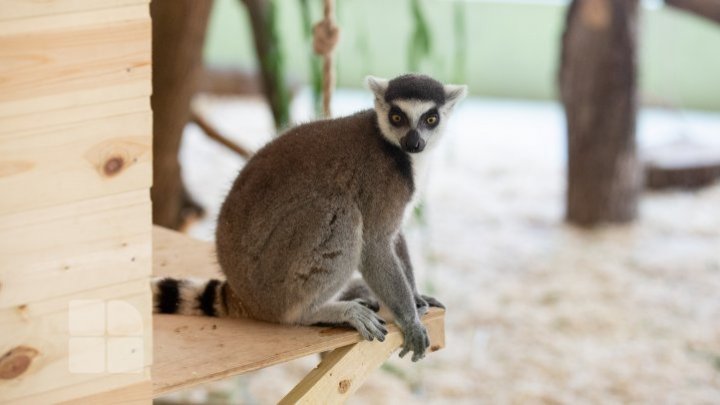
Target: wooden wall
x=75, y=218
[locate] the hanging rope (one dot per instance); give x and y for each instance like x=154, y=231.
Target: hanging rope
x=325, y=37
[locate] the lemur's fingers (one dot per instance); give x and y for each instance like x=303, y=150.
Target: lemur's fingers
x=378, y=330
x=367, y=323
x=433, y=302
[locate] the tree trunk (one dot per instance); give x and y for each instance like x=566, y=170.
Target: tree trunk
x=178, y=37
x=709, y=9
x=598, y=90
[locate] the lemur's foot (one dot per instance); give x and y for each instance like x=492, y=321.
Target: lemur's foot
x=367, y=322
x=369, y=303
x=432, y=302
x=416, y=341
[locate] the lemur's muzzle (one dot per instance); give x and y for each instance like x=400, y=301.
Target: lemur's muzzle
x=412, y=142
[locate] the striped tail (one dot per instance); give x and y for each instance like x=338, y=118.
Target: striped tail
x=191, y=296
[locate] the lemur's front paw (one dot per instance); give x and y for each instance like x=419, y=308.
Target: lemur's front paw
x=416, y=341
x=367, y=322
x=432, y=302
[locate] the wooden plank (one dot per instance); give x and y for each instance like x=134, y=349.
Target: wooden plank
x=69, y=248
x=194, y=350
x=16, y=9
x=80, y=18
x=137, y=394
x=101, y=338
x=137, y=389
x=70, y=162
x=49, y=70
x=101, y=388
x=71, y=115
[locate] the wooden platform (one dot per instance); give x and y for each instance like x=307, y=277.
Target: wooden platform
x=192, y=350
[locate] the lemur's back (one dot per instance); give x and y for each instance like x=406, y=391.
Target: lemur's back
x=290, y=192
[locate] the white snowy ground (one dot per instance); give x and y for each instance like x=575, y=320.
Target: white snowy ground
x=538, y=312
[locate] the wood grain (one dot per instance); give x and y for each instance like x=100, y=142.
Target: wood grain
x=73, y=20
x=134, y=386
x=194, y=350
x=13, y=124
x=74, y=247
x=50, y=70
x=71, y=162
x=17, y=9
x=132, y=395
x=342, y=372
x=46, y=327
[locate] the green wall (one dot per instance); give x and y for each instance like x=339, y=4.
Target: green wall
x=511, y=48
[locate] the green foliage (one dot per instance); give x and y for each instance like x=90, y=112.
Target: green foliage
x=274, y=62
x=419, y=213
x=460, y=34
x=420, y=44
x=316, y=79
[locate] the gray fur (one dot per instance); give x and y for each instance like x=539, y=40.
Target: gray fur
x=320, y=202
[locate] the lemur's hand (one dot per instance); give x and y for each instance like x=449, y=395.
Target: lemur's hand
x=416, y=341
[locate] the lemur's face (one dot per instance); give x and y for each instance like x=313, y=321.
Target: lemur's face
x=412, y=110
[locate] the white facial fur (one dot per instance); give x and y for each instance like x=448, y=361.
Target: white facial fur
x=413, y=109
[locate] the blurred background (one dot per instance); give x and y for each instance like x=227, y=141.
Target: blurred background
x=571, y=223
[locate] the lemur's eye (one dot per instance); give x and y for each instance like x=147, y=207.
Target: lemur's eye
x=431, y=120
x=396, y=118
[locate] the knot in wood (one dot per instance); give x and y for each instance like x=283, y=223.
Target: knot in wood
x=325, y=36
x=344, y=386
x=113, y=165
x=16, y=361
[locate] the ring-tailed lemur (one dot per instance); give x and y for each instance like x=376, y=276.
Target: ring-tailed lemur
x=311, y=207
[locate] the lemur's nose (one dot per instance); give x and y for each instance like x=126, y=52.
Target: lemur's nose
x=412, y=142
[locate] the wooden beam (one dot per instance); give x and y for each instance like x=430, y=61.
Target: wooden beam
x=345, y=369
x=709, y=9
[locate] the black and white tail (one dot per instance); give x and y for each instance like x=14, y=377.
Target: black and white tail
x=189, y=296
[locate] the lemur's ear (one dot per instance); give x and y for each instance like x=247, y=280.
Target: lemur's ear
x=377, y=86
x=453, y=94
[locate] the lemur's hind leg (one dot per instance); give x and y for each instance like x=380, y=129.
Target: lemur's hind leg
x=358, y=291
x=333, y=236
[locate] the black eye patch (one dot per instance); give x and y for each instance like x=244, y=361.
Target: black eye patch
x=431, y=118
x=397, y=117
